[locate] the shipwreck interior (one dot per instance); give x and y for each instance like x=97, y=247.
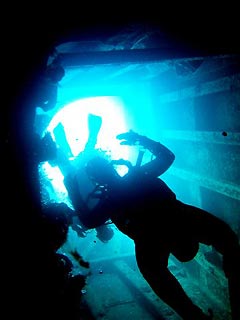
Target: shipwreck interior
x=140, y=79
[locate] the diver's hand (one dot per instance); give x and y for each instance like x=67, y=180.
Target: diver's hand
x=129, y=138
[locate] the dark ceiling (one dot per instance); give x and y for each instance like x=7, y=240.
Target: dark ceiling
x=144, y=41
x=134, y=51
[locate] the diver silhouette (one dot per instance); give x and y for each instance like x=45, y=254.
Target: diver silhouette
x=144, y=208
x=76, y=180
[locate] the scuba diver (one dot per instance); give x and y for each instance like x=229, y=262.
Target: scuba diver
x=76, y=181
x=144, y=208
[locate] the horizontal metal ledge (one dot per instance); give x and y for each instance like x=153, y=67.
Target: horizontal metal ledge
x=227, y=189
x=216, y=137
x=136, y=56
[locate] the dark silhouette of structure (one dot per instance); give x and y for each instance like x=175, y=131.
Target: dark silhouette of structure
x=144, y=208
x=61, y=288
x=47, y=92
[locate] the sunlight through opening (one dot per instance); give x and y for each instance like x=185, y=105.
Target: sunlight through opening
x=74, y=118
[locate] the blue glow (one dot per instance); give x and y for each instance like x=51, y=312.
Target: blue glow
x=74, y=118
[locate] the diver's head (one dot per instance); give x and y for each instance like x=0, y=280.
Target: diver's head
x=101, y=171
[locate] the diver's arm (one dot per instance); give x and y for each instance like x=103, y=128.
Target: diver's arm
x=97, y=216
x=90, y=218
x=163, y=156
x=71, y=184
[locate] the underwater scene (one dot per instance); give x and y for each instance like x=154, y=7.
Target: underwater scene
x=139, y=170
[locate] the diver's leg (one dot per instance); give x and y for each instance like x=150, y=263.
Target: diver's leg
x=213, y=231
x=152, y=263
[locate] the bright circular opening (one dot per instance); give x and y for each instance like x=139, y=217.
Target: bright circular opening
x=74, y=119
